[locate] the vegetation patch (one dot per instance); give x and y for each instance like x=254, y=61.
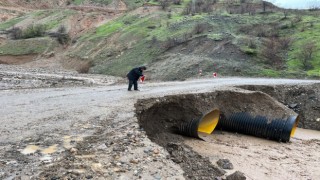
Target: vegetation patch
x=27, y=46
x=10, y=23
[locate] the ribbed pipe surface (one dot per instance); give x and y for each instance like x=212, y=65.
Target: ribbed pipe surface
x=189, y=129
x=244, y=123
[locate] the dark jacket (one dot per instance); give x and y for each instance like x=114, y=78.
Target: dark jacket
x=135, y=74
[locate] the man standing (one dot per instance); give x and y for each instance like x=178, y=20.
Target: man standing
x=133, y=77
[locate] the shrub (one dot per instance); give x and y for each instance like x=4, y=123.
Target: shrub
x=200, y=28
x=164, y=4
x=272, y=53
x=61, y=35
x=33, y=31
x=15, y=33
x=285, y=43
x=177, y=2
x=306, y=54
x=200, y=6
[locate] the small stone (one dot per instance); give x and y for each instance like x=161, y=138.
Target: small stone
x=73, y=150
x=146, y=150
x=156, y=151
x=135, y=172
x=102, y=147
x=225, y=164
x=134, y=161
x=157, y=176
x=293, y=105
x=89, y=176
x=237, y=176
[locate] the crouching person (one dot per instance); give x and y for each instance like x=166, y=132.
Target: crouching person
x=133, y=77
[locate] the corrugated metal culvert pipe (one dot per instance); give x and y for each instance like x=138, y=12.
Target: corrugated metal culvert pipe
x=206, y=124
x=259, y=126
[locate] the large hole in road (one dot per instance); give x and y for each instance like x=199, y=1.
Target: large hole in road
x=157, y=116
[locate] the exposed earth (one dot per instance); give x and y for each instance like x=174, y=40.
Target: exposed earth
x=97, y=130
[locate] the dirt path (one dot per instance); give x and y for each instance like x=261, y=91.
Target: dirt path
x=92, y=132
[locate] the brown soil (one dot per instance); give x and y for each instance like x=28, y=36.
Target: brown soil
x=17, y=60
x=304, y=100
x=185, y=60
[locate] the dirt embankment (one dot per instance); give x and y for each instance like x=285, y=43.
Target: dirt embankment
x=304, y=100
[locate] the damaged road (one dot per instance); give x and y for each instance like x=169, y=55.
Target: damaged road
x=93, y=132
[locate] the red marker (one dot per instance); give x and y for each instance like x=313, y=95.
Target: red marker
x=214, y=74
x=142, y=78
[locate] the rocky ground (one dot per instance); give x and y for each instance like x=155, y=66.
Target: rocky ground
x=91, y=131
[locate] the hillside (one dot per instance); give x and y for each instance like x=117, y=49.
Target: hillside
x=175, y=40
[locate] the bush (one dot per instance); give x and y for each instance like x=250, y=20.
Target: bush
x=284, y=43
x=306, y=54
x=15, y=33
x=272, y=53
x=164, y=4
x=61, y=35
x=33, y=31
x=200, y=6
x=200, y=28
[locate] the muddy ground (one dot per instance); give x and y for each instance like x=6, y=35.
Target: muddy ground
x=97, y=131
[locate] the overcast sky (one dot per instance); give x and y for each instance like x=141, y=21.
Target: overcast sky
x=296, y=4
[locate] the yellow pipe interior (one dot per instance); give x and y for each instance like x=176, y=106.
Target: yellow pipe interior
x=294, y=128
x=209, y=122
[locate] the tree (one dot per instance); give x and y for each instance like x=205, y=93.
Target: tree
x=164, y=4
x=272, y=53
x=285, y=43
x=264, y=6
x=306, y=54
x=285, y=13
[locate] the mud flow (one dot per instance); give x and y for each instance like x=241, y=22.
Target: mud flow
x=159, y=117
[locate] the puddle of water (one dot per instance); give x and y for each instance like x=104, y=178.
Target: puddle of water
x=50, y=150
x=30, y=149
x=307, y=134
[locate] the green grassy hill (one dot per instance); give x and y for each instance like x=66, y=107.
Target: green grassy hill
x=177, y=40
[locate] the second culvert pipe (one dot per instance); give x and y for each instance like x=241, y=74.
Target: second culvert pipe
x=206, y=124
x=259, y=126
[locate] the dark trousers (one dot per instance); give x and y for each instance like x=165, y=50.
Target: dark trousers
x=134, y=83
